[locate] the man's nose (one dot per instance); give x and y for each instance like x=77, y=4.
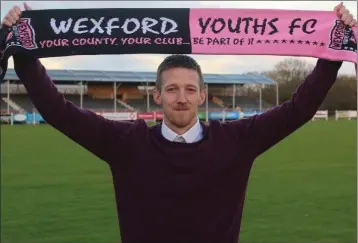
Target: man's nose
x=181, y=96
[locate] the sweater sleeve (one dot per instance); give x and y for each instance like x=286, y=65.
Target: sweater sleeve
x=91, y=131
x=267, y=129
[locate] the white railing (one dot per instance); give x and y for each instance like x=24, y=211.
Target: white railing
x=345, y=114
x=323, y=114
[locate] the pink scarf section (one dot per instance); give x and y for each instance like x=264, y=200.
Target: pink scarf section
x=317, y=34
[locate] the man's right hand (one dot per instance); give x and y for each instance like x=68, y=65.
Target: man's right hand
x=13, y=15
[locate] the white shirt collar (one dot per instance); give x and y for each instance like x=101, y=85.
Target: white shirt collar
x=192, y=135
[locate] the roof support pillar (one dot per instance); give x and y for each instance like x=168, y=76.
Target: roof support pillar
x=115, y=97
x=81, y=95
x=207, y=103
x=233, y=97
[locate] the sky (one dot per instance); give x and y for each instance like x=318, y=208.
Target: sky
x=209, y=63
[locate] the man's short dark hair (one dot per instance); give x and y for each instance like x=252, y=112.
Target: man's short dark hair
x=178, y=60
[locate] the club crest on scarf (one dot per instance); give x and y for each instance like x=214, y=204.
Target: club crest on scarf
x=22, y=35
x=342, y=38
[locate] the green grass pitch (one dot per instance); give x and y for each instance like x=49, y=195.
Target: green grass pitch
x=302, y=190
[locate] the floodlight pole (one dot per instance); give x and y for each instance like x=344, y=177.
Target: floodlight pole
x=277, y=94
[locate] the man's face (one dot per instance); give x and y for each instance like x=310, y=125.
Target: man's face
x=180, y=96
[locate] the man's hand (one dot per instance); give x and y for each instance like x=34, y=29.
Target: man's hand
x=13, y=15
x=344, y=15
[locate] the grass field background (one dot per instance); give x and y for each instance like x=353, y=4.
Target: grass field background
x=302, y=190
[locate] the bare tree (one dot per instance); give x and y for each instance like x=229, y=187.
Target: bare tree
x=290, y=73
x=290, y=70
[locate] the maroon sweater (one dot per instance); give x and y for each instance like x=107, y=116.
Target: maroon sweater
x=177, y=192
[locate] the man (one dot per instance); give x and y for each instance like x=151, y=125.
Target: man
x=181, y=180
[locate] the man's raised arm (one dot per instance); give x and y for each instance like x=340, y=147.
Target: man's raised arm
x=86, y=128
x=267, y=129
x=91, y=131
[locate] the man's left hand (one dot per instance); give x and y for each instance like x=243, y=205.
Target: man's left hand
x=345, y=16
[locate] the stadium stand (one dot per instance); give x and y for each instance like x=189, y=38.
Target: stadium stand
x=130, y=89
x=3, y=105
x=95, y=104
x=23, y=101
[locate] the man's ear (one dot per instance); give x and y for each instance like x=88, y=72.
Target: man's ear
x=157, y=97
x=202, y=96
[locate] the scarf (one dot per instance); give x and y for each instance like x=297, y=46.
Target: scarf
x=69, y=32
